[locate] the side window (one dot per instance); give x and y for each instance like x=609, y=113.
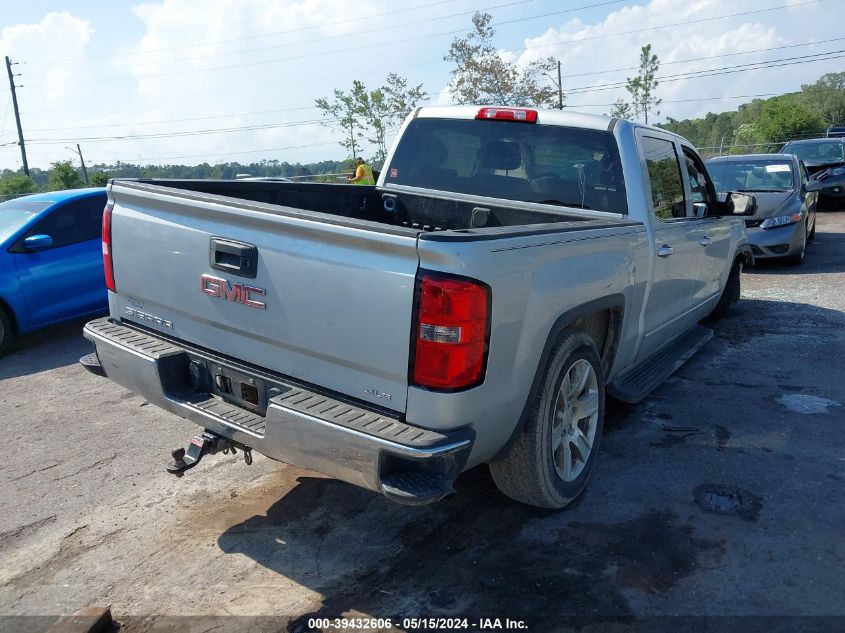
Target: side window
x=76, y=221
x=664, y=175
x=700, y=185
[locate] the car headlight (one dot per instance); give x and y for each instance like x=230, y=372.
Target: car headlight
x=781, y=220
x=838, y=171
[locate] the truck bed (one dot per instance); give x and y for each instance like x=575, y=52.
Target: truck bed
x=370, y=203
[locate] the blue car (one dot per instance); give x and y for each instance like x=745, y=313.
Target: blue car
x=51, y=260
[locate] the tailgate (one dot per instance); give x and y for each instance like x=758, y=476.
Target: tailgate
x=337, y=297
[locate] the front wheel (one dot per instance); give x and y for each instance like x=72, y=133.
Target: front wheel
x=5, y=330
x=553, y=456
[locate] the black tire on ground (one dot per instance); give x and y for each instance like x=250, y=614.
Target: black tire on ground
x=798, y=259
x=5, y=330
x=730, y=295
x=812, y=234
x=529, y=472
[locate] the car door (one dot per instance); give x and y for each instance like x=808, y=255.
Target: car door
x=712, y=234
x=676, y=243
x=65, y=279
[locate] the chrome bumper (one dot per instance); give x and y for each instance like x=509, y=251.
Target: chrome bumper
x=300, y=427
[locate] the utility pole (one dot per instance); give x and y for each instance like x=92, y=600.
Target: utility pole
x=17, y=114
x=559, y=84
x=559, y=88
x=78, y=152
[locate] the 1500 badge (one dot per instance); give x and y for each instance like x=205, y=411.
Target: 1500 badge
x=238, y=293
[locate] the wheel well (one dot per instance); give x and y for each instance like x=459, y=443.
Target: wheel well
x=603, y=327
x=6, y=308
x=601, y=320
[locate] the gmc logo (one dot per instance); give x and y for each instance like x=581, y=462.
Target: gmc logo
x=239, y=293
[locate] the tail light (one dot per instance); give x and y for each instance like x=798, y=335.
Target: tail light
x=522, y=115
x=451, y=332
x=107, y=249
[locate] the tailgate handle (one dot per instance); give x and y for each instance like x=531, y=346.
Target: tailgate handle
x=235, y=258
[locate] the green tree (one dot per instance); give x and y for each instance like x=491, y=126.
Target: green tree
x=370, y=115
x=480, y=75
x=827, y=98
x=63, y=176
x=643, y=87
x=99, y=179
x=621, y=110
x=784, y=118
x=17, y=184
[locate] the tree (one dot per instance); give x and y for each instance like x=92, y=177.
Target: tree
x=621, y=110
x=481, y=75
x=13, y=184
x=370, y=115
x=99, y=179
x=784, y=118
x=63, y=176
x=827, y=98
x=642, y=87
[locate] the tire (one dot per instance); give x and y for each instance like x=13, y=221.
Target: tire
x=798, y=258
x=730, y=295
x=5, y=330
x=544, y=467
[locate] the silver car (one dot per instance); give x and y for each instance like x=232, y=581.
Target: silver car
x=785, y=219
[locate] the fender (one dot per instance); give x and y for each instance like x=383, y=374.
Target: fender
x=614, y=302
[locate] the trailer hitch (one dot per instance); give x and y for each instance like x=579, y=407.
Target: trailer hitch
x=208, y=443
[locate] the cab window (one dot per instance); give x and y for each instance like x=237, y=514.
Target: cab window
x=668, y=200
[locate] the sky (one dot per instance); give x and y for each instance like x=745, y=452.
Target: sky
x=192, y=81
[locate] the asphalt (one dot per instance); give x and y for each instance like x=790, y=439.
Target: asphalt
x=720, y=495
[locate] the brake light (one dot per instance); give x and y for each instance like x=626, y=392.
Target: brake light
x=508, y=114
x=451, y=333
x=107, y=250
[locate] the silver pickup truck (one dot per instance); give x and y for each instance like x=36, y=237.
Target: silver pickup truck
x=509, y=268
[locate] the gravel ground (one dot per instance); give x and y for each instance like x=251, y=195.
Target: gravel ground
x=721, y=494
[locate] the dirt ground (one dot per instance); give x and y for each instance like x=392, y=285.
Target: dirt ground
x=722, y=494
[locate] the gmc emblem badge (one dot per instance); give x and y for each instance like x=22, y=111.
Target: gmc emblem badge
x=239, y=293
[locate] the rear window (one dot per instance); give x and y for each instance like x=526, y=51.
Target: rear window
x=770, y=175
x=515, y=161
x=817, y=152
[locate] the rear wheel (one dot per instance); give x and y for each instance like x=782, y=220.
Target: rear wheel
x=551, y=460
x=5, y=330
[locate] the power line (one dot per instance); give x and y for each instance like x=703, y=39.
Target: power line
x=432, y=35
x=212, y=153
x=126, y=137
x=327, y=37
x=427, y=5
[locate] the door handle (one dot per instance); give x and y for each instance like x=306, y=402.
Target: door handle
x=665, y=251
x=705, y=241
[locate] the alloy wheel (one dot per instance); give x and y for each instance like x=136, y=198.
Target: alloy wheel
x=575, y=420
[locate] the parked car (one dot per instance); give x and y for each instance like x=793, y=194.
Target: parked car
x=510, y=266
x=823, y=157
x=835, y=132
x=785, y=219
x=51, y=263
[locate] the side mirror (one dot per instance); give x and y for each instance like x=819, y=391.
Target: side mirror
x=736, y=204
x=37, y=243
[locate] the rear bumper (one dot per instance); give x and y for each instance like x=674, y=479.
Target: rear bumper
x=301, y=427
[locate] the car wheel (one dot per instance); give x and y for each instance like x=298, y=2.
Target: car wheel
x=798, y=258
x=5, y=330
x=552, y=458
x=731, y=293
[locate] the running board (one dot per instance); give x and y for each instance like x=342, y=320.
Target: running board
x=636, y=384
